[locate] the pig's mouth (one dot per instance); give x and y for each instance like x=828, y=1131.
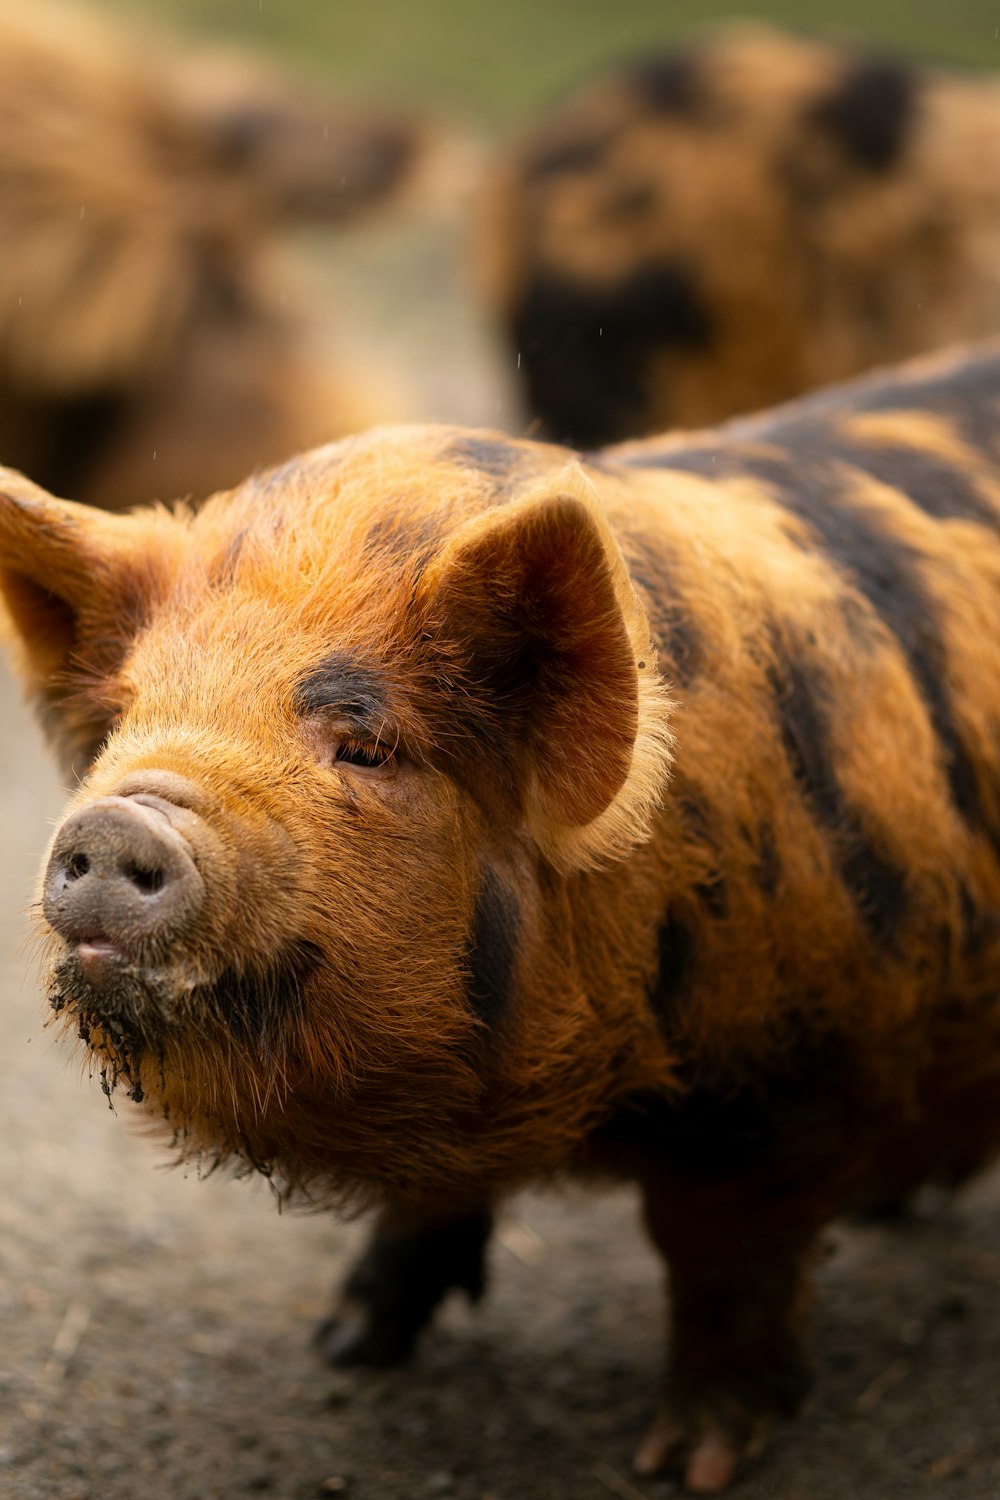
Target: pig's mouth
x=124, y=1008
x=128, y=1009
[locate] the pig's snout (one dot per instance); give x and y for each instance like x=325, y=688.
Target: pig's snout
x=121, y=877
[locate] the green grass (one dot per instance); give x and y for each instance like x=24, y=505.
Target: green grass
x=497, y=60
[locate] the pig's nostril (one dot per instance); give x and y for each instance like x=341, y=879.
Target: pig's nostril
x=120, y=874
x=147, y=882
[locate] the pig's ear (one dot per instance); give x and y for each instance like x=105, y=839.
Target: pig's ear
x=56, y=563
x=549, y=651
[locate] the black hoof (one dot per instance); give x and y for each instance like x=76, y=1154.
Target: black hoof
x=352, y=1337
x=395, y=1286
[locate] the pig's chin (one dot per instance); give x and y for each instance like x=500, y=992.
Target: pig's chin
x=128, y=1009
x=131, y=1009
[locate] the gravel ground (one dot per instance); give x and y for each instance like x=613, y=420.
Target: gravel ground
x=155, y=1329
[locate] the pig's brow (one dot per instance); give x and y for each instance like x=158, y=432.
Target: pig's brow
x=338, y=682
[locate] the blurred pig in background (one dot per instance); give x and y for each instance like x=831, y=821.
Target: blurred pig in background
x=149, y=346
x=713, y=229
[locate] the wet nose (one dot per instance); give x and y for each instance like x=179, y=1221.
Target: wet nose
x=119, y=873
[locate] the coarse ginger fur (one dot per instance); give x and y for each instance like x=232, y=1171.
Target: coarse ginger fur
x=633, y=815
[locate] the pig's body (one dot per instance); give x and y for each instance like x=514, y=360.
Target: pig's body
x=379, y=882
x=755, y=214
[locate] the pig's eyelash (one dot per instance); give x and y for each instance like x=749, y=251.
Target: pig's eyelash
x=369, y=754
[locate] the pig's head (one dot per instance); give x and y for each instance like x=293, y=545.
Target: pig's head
x=344, y=736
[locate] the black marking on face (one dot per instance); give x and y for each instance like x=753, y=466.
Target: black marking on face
x=359, y=164
x=244, y=133
x=375, y=161
x=586, y=350
x=259, y=1006
x=341, y=685
x=491, y=950
x=870, y=113
x=676, y=945
x=878, y=888
x=672, y=85
x=68, y=438
x=139, y=1009
x=629, y=201
x=579, y=153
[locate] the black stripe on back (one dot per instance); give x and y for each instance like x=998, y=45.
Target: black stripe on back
x=812, y=452
x=939, y=488
x=489, y=456
x=672, y=618
x=808, y=483
x=887, y=572
x=877, y=887
x=968, y=395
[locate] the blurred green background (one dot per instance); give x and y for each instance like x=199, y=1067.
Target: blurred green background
x=496, y=60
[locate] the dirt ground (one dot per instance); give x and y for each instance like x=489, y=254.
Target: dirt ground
x=155, y=1329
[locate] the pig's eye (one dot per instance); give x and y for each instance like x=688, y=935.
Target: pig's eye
x=364, y=753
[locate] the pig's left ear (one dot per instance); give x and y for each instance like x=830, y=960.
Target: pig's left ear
x=57, y=561
x=540, y=632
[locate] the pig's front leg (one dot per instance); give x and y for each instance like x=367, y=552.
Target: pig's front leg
x=737, y=1295
x=411, y=1261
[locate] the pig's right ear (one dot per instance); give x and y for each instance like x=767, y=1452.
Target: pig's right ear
x=57, y=564
x=556, y=704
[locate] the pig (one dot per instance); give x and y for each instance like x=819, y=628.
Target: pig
x=710, y=230
x=458, y=812
x=148, y=346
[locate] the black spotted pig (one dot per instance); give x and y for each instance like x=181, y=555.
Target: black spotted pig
x=717, y=228
x=456, y=813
